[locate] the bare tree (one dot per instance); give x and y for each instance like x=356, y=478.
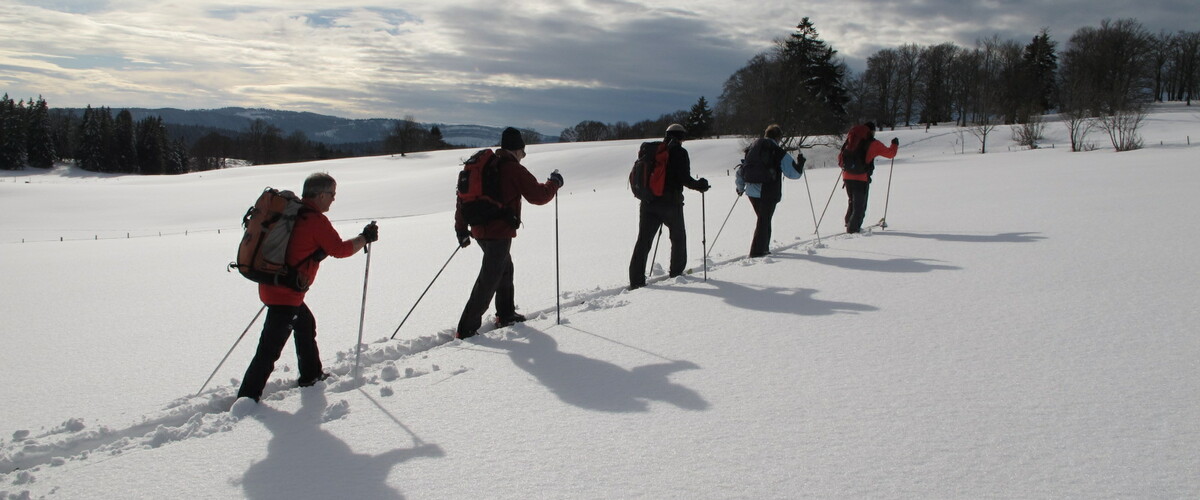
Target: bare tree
x=880, y=81
x=907, y=67
x=982, y=127
x=935, y=96
x=964, y=76
x=1187, y=65
x=1029, y=133
x=1122, y=128
x=1079, y=125
x=1162, y=48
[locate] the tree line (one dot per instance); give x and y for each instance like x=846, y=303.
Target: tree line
x=97, y=140
x=1104, y=78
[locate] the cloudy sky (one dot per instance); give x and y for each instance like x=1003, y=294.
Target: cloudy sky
x=544, y=65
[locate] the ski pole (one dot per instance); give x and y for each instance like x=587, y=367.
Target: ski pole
x=816, y=228
x=887, y=196
x=362, y=312
x=435, y=277
x=557, y=280
x=235, y=343
x=704, y=233
x=655, y=256
x=834, y=190
x=718, y=236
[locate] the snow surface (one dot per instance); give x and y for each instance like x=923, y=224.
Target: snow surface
x=1024, y=328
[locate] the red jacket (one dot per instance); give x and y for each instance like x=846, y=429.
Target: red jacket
x=313, y=231
x=515, y=183
x=874, y=150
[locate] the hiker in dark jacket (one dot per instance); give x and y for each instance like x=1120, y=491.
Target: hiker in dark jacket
x=862, y=137
x=764, y=196
x=313, y=238
x=666, y=210
x=495, y=237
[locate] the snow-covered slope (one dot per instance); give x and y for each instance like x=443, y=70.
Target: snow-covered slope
x=1023, y=329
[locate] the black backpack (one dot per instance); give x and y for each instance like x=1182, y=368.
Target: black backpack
x=855, y=161
x=648, y=178
x=761, y=164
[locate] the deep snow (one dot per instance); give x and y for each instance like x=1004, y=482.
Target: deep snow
x=1023, y=329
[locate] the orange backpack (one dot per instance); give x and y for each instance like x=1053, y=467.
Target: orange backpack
x=262, y=254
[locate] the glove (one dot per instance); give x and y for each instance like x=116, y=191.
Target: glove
x=895, y=141
x=370, y=233
x=464, y=238
x=703, y=185
x=556, y=177
x=741, y=191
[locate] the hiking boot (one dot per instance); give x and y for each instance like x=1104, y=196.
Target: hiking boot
x=509, y=320
x=464, y=335
x=312, y=382
x=635, y=286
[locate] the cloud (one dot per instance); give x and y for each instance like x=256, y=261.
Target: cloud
x=546, y=65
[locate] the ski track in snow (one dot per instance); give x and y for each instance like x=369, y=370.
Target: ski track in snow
x=380, y=364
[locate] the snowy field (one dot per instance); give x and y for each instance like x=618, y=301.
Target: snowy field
x=1024, y=328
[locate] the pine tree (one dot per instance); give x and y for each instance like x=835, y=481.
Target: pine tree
x=39, y=136
x=89, y=154
x=813, y=92
x=152, y=145
x=700, y=119
x=178, y=160
x=1040, y=72
x=436, y=139
x=108, y=159
x=12, y=135
x=124, y=143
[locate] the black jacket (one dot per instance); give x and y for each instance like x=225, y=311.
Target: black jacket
x=679, y=176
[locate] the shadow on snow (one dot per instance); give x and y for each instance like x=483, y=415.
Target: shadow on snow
x=595, y=384
x=799, y=301
x=305, y=461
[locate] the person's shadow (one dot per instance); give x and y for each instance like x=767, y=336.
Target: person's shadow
x=594, y=384
x=1022, y=237
x=801, y=301
x=305, y=461
x=895, y=265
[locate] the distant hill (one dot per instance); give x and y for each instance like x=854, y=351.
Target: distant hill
x=321, y=128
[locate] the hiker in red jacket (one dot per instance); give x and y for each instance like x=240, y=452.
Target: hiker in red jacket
x=861, y=141
x=495, y=237
x=313, y=238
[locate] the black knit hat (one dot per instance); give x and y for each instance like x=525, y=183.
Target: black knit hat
x=511, y=140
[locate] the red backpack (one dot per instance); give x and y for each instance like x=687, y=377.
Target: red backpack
x=648, y=178
x=479, y=190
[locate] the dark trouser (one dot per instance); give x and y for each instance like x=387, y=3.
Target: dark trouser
x=857, y=192
x=651, y=217
x=281, y=322
x=765, y=209
x=495, y=279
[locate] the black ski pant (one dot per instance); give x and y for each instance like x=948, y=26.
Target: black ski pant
x=765, y=210
x=651, y=217
x=857, y=192
x=495, y=280
x=282, y=322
